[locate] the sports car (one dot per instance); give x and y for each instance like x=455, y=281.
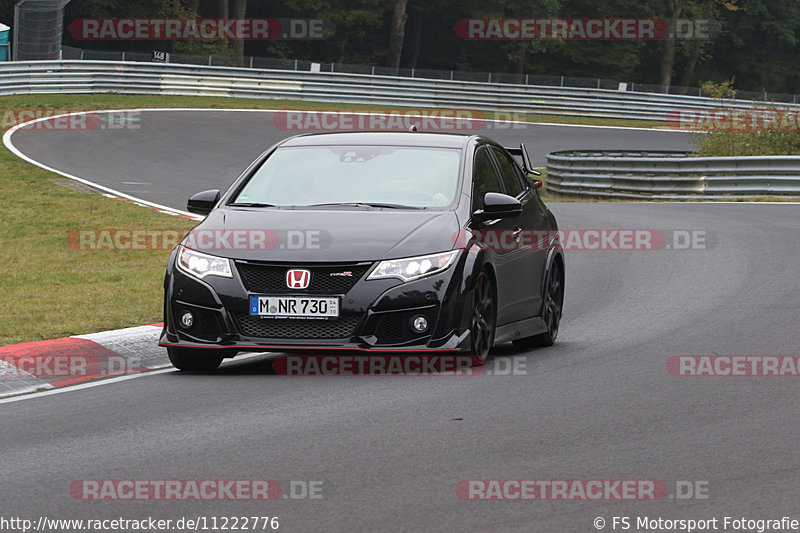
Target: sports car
x=380, y=242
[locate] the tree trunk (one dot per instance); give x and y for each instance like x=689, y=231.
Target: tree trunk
x=224, y=9
x=397, y=34
x=668, y=52
x=523, y=49
x=688, y=74
x=239, y=12
x=416, y=42
x=342, y=48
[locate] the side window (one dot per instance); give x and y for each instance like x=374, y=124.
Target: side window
x=484, y=177
x=511, y=175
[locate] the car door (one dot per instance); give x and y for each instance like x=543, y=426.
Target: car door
x=529, y=261
x=496, y=234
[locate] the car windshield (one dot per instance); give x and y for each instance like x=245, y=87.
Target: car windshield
x=383, y=176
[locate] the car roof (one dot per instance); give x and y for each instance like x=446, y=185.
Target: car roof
x=393, y=138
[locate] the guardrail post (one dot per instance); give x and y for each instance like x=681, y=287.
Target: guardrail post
x=209, y=59
x=490, y=77
x=562, y=81
x=252, y=58
x=123, y=55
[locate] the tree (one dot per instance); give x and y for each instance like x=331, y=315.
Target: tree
x=673, y=11
x=694, y=9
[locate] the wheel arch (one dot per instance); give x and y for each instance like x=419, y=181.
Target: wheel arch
x=555, y=254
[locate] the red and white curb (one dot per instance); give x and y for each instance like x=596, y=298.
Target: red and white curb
x=42, y=365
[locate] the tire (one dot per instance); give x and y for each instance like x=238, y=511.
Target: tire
x=483, y=319
x=193, y=360
x=552, y=305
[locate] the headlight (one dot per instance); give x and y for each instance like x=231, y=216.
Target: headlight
x=413, y=267
x=202, y=265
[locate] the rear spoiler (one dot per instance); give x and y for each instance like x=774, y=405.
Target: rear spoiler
x=526, y=159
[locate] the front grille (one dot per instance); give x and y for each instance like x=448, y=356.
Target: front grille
x=271, y=278
x=293, y=328
x=395, y=328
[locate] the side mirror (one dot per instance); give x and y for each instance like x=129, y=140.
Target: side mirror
x=203, y=202
x=497, y=205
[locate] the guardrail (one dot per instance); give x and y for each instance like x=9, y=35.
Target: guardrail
x=41, y=77
x=662, y=175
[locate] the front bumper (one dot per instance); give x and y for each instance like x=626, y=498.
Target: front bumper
x=375, y=315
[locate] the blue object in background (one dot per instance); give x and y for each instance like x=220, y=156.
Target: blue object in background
x=4, y=46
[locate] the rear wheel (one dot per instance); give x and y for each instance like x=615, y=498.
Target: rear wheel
x=552, y=304
x=482, y=322
x=193, y=359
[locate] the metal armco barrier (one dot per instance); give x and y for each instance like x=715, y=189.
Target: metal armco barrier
x=661, y=175
x=42, y=77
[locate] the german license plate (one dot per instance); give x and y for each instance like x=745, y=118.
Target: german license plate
x=294, y=307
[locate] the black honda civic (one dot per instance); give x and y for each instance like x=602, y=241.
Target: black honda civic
x=370, y=241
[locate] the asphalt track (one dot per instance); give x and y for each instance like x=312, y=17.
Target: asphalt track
x=600, y=404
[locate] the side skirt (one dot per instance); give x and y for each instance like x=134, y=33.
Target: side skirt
x=520, y=329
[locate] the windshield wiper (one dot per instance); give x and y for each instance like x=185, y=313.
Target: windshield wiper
x=364, y=204
x=251, y=204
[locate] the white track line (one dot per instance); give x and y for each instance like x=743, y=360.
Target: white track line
x=82, y=386
x=165, y=369
x=13, y=149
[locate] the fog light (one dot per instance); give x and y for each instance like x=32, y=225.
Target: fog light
x=187, y=320
x=419, y=323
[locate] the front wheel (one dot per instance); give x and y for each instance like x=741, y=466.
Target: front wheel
x=482, y=322
x=193, y=359
x=553, y=303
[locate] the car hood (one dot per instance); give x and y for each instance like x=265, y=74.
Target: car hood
x=322, y=235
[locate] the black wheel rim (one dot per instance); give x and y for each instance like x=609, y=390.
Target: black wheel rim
x=482, y=329
x=553, y=301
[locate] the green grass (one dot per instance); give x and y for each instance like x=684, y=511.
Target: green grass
x=52, y=290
